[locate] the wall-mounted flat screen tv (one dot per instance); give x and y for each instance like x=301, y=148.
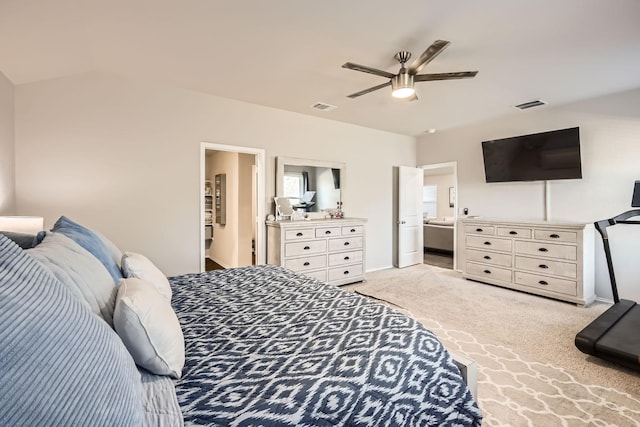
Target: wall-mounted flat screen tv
x=536, y=157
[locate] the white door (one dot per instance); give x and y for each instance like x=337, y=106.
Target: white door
x=410, y=248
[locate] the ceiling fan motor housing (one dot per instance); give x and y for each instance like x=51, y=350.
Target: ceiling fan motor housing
x=403, y=56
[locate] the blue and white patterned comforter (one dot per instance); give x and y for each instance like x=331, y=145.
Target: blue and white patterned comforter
x=268, y=347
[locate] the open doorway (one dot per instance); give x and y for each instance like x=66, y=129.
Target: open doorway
x=439, y=201
x=231, y=194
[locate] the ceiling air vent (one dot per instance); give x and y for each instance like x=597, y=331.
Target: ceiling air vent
x=323, y=107
x=530, y=104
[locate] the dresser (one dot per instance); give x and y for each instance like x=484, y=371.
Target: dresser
x=552, y=259
x=330, y=250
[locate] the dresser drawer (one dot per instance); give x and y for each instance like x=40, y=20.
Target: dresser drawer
x=523, y=233
x=306, y=263
x=489, y=230
x=545, y=249
x=327, y=231
x=304, y=248
x=352, y=230
x=556, y=236
x=486, y=257
x=301, y=234
x=345, y=272
x=320, y=275
x=345, y=244
x=492, y=243
x=345, y=258
x=490, y=272
x=568, y=287
x=546, y=266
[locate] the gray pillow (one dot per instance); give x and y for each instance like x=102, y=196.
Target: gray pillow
x=80, y=271
x=61, y=365
x=24, y=240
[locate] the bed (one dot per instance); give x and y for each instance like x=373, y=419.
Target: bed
x=266, y=346
x=253, y=346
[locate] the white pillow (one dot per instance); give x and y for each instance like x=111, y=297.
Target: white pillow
x=149, y=328
x=79, y=271
x=140, y=267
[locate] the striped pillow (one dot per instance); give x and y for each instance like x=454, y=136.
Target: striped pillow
x=61, y=364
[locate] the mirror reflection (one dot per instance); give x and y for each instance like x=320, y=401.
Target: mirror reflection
x=311, y=186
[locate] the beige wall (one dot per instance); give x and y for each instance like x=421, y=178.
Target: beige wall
x=224, y=247
x=122, y=156
x=610, y=149
x=245, y=208
x=7, y=154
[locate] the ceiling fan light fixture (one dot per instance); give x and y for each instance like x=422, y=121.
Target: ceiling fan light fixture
x=402, y=86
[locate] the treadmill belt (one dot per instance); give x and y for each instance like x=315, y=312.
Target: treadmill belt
x=622, y=342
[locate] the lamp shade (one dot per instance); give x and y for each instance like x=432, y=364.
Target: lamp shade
x=22, y=224
x=402, y=86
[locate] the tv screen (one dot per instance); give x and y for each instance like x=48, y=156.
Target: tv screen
x=536, y=157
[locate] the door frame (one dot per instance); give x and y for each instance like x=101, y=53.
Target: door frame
x=456, y=208
x=260, y=156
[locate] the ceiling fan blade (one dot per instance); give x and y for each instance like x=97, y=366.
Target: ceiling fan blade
x=444, y=76
x=365, y=69
x=428, y=55
x=371, y=89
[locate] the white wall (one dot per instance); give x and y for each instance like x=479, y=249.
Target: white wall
x=7, y=154
x=443, y=183
x=122, y=156
x=610, y=149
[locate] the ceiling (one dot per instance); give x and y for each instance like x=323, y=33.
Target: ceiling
x=288, y=54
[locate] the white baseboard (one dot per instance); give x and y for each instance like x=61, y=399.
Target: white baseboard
x=379, y=268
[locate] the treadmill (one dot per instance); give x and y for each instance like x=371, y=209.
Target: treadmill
x=615, y=335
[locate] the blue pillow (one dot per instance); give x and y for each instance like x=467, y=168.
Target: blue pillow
x=61, y=364
x=91, y=242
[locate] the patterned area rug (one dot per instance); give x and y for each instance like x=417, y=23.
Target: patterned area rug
x=529, y=371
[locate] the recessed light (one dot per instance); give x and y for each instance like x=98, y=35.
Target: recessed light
x=430, y=131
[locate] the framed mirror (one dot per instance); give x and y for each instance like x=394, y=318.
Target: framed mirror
x=310, y=185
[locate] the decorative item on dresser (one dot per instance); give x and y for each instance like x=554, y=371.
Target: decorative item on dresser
x=330, y=250
x=552, y=259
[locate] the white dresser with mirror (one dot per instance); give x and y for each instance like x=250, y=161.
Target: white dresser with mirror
x=330, y=250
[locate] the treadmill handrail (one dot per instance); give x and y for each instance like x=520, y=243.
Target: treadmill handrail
x=601, y=226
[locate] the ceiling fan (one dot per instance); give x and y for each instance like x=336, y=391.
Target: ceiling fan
x=402, y=84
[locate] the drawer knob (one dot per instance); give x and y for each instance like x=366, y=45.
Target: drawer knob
x=353, y=230
x=487, y=257
x=327, y=232
x=513, y=233
x=543, y=250
x=346, y=272
x=306, y=248
x=299, y=234
x=543, y=266
x=346, y=258
x=306, y=263
x=488, y=271
x=479, y=230
x=487, y=243
x=543, y=282
x=346, y=243
x=554, y=236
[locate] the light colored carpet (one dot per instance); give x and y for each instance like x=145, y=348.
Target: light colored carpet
x=530, y=372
